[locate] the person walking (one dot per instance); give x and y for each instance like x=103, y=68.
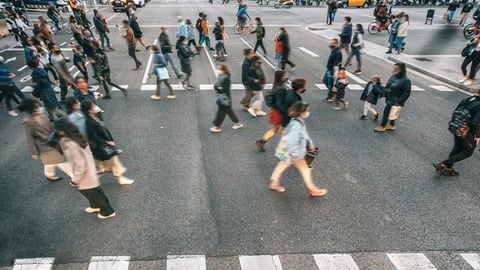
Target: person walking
x=99, y=138
x=392, y=37
x=291, y=96
x=292, y=150
x=8, y=88
x=356, y=46
x=259, y=31
x=198, y=26
x=283, y=37
x=191, y=36
x=341, y=85
x=256, y=72
x=181, y=28
x=79, y=61
x=331, y=11
x=333, y=65
x=279, y=90
x=472, y=56
x=346, y=35
x=77, y=151
x=45, y=30
x=131, y=43
x=54, y=15
x=166, y=48
x=402, y=34
x=278, y=52
x=370, y=96
x=37, y=129
x=76, y=30
x=465, y=137
x=206, y=38
x=102, y=29
x=397, y=92
x=87, y=46
x=246, y=79
x=184, y=54
x=59, y=62
x=452, y=7
x=466, y=9
x=161, y=73
x=85, y=22
x=103, y=69
x=224, y=100
x=137, y=32
x=219, y=42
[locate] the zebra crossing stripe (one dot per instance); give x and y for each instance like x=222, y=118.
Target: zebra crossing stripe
x=410, y=261
x=34, y=264
x=189, y=262
x=442, y=88
x=472, y=258
x=121, y=85
x=238, y=86
x=416, y=88
x=109, y=263
x=335, y=262
x=151, y=87
x=264, y=262
x=321, y=86
x=355, y=87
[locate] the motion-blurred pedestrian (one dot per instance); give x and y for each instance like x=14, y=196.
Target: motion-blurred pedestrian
x=256, y=72
x=356, y=46
x=284, y=38
x=131, y=43
x=161, y=72
x=184, y=54
x=333, y=65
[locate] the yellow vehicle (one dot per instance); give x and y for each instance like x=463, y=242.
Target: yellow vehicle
x=354, y=3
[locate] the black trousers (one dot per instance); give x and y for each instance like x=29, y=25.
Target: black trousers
x=259, y=44
x=463, y=148
x=386, y=114
x=474, y=59
x=131, y=52
x=8, y=92
x=221, y=113
x=285, y=60
x=97, y=199
x=106, y=79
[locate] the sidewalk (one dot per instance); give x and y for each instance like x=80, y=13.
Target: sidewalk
x=7, y=42
x=445, y=68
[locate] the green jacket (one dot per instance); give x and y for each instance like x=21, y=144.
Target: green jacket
x=260, y=31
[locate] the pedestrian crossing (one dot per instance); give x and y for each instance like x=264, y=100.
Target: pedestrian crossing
x=339, y=261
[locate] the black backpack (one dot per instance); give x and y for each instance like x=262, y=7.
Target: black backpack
x=461, y=119
x=262, y=32
x=269, y=98
x=198, y=25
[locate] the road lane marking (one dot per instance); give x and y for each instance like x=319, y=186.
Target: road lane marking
x=109, y=263
x=116, y=89
x=355, y=78
x=264, y=262
x=33, y=264
x=26, y=78
x=261, y=56
x=335, y=262
x=10, y=60
x=307, y=51
x=226, y=25
x=417, y=88
x=235, y=86
x=410, y=261
x=190, y=262
x=22, y=68
x=210, y=59
x=442, y=88
x=152, y=87
x=149, y=63
x=472, y=258
x=321, y=86
x=63, y=44
x=355, y=87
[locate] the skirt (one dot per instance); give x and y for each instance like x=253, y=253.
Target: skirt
x=275, y=117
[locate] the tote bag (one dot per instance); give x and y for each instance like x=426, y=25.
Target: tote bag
x=394, y=112
x=162, y=73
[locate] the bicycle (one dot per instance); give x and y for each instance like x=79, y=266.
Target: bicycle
x=241, y=27
x=377, y=26
x=472, y=29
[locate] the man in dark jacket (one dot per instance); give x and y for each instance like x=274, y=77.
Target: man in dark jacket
x=397, y=91
x=346, y=35
x=246, y=79
x=102, y=29
x=463, y=146
x=331, y=11
x=166, y=49
x=293, y=95
x=137, y=32
x=103, y=67
x=333, y=65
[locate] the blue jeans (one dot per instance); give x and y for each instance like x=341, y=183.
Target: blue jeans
x=201, y=39
x=169, y=59
x=450, y=16
x=391, y=39
x=328, y=81
x=104, y=36
x=354, y=52
x=399, y=43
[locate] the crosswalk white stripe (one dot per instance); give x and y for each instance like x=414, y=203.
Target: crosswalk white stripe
x=109, y=263
x=417, y=88
x=151, y=87
x=442, y=88
x=472, y=258
x=189, y=262
x=307, y=51
x=264, y=262
x=335, y=262
x=321, y=86
x=410, y=261
x=22, y=68
x=355, y=87
x=121, y=85
x=355, y=78
x=34, y=264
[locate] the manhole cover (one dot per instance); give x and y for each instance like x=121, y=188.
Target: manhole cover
x=422, y=59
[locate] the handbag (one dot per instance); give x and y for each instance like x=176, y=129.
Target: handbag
x=105, y=152
x=223, y=100
x=310, y=156
x=445, y=16
x=162, y=73
x=394, y=112
x=467, y=51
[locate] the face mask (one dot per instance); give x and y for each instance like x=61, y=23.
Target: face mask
x=307, y=114
x=395, y=71
x=332, y=47
x=41, y=110
x=82, y=86
x=76, y=106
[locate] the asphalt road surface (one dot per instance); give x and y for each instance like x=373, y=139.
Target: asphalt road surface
x=203, y=194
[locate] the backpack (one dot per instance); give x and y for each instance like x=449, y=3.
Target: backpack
x=262, y=32
x=461, y=119
x=270, y=97
x=198, y=25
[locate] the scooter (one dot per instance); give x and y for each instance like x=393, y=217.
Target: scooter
x=283, y=3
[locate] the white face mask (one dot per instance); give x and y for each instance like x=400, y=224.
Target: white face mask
x=41, y=110
x=77, y=106
x=307, y=114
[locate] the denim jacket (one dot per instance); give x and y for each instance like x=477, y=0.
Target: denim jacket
x=295, y=141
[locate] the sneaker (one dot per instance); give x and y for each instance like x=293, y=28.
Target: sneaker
x=225, y=55
x=245, y=108
x=111, y=49
x=184, y=85
x=336, y=108
x=377, y=115
x=107, y=96
x=13, y=113
x=388, y=52
x=261, y=113
x=317, y=192
x=276, y=187
x=451, y=172
x=100, y=216
x=439, y=168
x=57, y=178
x=215, y=55
x=212, y=49
x=380, y=129
x=357, y=72
x=125, y=181
x=363, y=117
x=155, y=97
x=171, y=97
x=293, y=69
x=350, y=63
x=328, y=100
x=215, y=129
x=237, y=125
x=91, y=210
x=345, y=105
x=252, y=112
x=468, y=82
x=260, y=144
x=390, y=127
x=463, y=79
x=190, y=87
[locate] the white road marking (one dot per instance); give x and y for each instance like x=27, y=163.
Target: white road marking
x=22, y=68
x=321, y=86
x=417, y=88
x=261, y=56
x=26, y=78
x=472, y=258
x=335, y=262
x=33, y=264
x=442, y=88
x=355, y=87
x=210, y=59
x=235, y=86
x=152, y=87
x=264, y=262
x=149, y=63
x=193, y=262
x=10, y=60
x=307, y=51
x=121, y=85
x=410, y=261
x=211, y=25
x=109, y=263
x=355, y=78
x=63, y=43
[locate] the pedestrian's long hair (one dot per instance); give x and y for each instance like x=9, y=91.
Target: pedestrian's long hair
x=360, y=28
x=225, y=69
x=277, y=80
x=71, y=131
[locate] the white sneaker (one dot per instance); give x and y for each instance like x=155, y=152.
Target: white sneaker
x=125, y=181
x=171, y=97
x=463, y=79
x=252, y=112
x=12, y=113
x=215, y=55
x=155, y=97
x=91, y=210
x=293, y=69
x=261, y=113
x=104, y=217
x=237, y=125
x=215, y=129
x=468, y=82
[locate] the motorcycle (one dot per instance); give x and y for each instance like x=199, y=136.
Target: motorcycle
x=283, y=3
